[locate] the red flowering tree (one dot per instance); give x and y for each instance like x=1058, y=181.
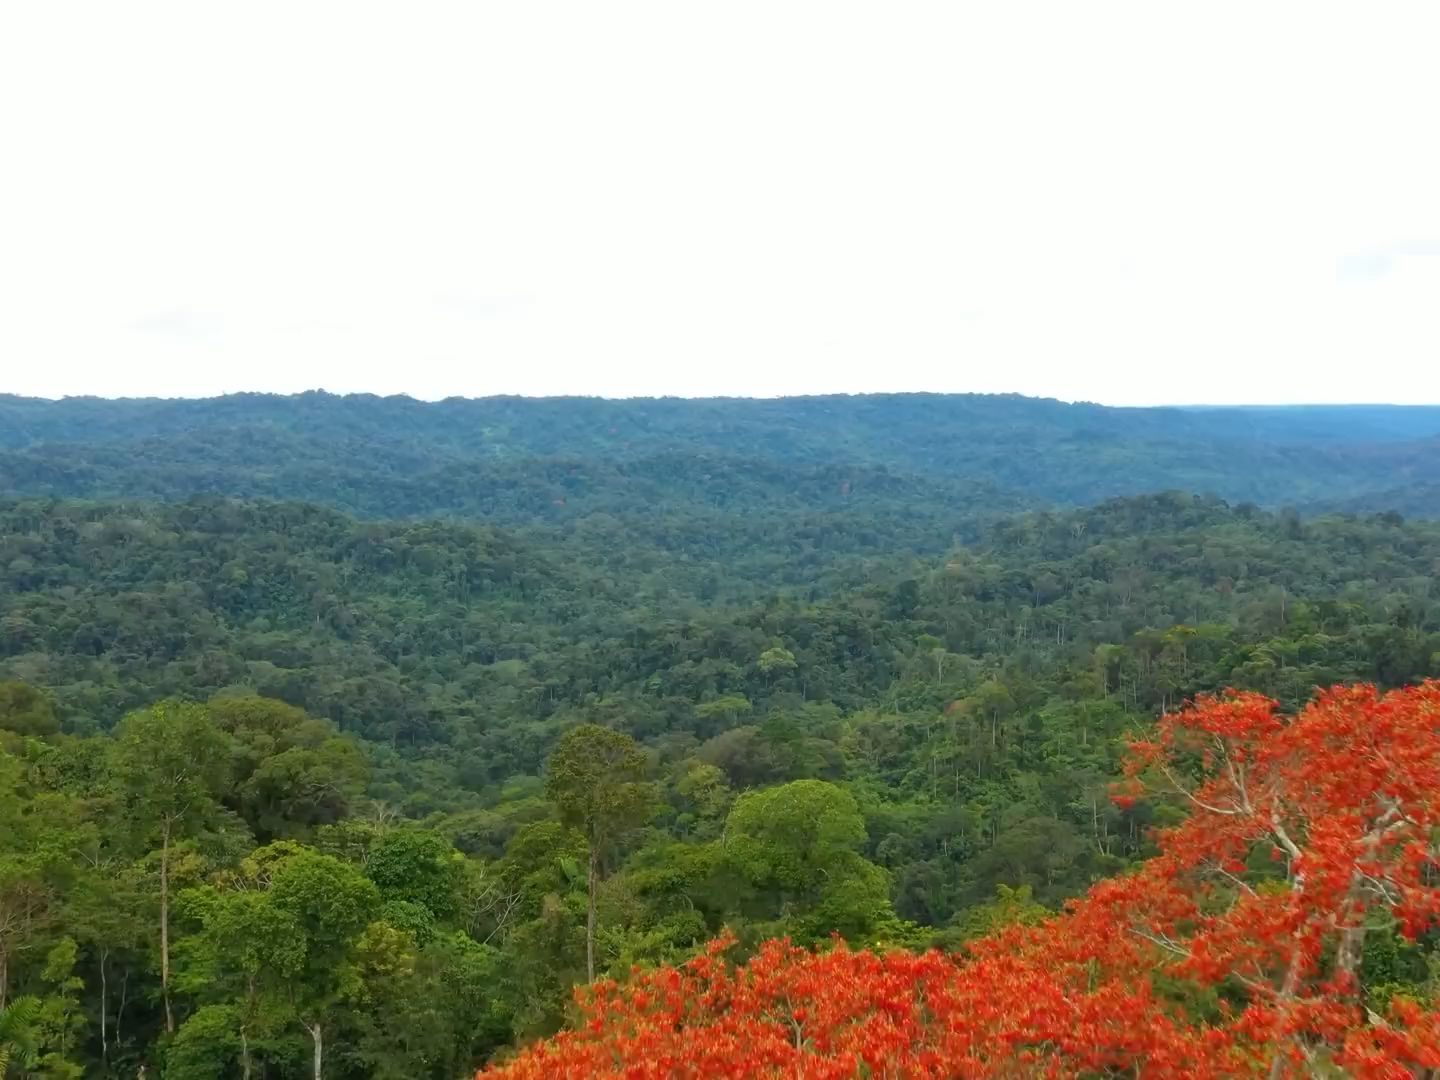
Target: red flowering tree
x=1235, y=952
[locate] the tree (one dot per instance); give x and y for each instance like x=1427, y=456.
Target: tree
x=207, y=1043
x=243, y=960
x=991, y=701
x=280, y=945
x=19, y=1042
x=777, y=658
x=107, y=911
x=798, y=827
x=293, y=773
x=39, y=833
x=26, y=899
x=791, y=1012
x=1342, y=800
x=431, y=1011
x=799, y=842
x=727, y=707
x=1236, y=951
x=593, y=776
x=417, y=867
x=1010, y=906
x=26, y=710
x=61, y=1020
x=171, y=765
x=745, y=755
x=330, y=904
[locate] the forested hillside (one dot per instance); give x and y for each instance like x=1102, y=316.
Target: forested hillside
x=395, y=457
x=1279, y=931
x=351, y=734
x=906, y=758
x=413, y=632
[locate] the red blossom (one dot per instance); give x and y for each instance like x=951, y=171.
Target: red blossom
x=1339, y=802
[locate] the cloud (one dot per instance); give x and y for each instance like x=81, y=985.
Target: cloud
x=1371, y=266
x=181, y=323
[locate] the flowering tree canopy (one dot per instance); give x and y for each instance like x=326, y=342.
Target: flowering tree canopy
x=1238, y=950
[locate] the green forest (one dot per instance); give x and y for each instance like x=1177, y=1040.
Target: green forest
x=345, y=736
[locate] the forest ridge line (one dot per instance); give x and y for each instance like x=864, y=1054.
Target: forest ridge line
x=566, y=457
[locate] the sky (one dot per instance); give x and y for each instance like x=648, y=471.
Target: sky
x=1131, y=203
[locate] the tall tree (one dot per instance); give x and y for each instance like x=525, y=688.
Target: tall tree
x=330, y=904
x=40, y=831
x=593, y=776
x=171, y=765
x=25, y=898
x=278, y=943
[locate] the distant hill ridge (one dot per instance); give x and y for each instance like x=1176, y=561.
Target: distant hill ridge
x=415, y=455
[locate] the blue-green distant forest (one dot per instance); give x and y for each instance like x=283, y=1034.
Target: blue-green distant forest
x=514, y=460
x=351, y=733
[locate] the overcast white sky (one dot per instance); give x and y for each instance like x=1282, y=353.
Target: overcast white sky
x=1126, y=203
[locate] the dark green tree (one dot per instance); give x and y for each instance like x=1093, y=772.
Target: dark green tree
x=171, y=766
x=26, y=710
x=594, y=778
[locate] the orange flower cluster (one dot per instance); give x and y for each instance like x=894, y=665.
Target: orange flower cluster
x=1234, y=952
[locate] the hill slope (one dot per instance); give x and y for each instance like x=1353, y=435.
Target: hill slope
x=875, y=761
x=401, y=457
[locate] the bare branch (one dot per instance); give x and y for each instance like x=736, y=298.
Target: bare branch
x=1278, y=828
x=1380, y=887
x=1217, y=868
x=1166, y=943
x=1191, y=795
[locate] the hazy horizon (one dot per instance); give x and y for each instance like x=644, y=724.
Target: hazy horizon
x=1197, y=405
x=1134, y=205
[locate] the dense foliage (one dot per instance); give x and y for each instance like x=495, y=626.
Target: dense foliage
x=285, y=789
x=397, y=456
x=905, y=762
x=1277, y=932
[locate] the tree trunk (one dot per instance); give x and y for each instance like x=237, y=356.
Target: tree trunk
x=317, y=1058
x=104, y=1010
x=593, y=875
x=120, y=1008
x=244, y=1055
x=1352, y=937
x=165, y=926
x=1288, y=989
x=1352, y=951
